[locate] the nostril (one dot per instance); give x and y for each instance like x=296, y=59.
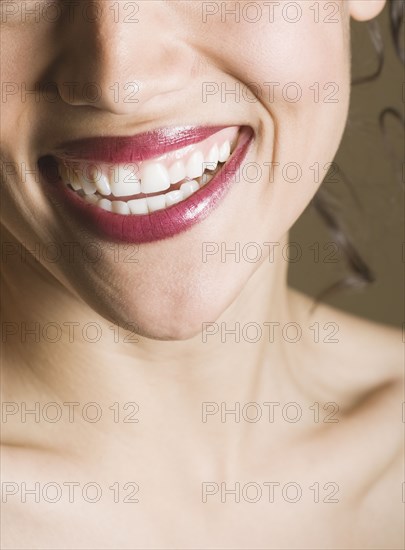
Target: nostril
x=49, y=91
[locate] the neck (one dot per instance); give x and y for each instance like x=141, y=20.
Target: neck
x=56, y=349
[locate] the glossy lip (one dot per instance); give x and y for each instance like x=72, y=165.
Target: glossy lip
x=158, y=225
x=145, y=146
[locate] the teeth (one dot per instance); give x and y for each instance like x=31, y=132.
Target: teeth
x=177, y=172
x=173, y=197
x=138, y=206
x=75, y=182
x=88, y=186
x=154, y=178
x=195, y=166
x=102, y=185
x=93, y=199
x=212, y=159
x=105, y=204
x=205, y=178
x=224, y=152
x=71, y=176
x=189, y=187
x=120, y=207
x=156, y=203
x=124, y=182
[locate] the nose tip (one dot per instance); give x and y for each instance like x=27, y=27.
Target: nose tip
x=117, y=67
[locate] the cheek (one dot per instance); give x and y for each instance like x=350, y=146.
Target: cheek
x=27, y=52
x=300, y=45
x=300, y=72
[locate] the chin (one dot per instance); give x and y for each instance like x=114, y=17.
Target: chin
x=163, y=317
x=168, y=325
x=178, y=333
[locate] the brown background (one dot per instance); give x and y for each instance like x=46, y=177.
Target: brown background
x=367, y=160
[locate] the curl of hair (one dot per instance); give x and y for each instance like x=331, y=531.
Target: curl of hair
x=359, y=274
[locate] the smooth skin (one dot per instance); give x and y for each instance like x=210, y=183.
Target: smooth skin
x=173, y=368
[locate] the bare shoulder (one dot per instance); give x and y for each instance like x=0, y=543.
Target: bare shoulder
x=364, y=370
x=361, y=368
x=369, y=349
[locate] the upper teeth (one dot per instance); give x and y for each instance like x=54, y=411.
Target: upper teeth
x=126, y=180
x=123, y=180
x=154, y=178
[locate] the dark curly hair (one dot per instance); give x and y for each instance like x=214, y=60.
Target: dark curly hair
x=359, y=273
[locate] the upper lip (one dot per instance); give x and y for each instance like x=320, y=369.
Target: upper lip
x=140, y=147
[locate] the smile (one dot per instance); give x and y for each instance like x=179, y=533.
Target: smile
x=149, y=187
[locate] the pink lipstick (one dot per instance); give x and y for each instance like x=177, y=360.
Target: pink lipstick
x=148, y=187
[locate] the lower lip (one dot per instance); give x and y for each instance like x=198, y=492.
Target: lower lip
x=158, y=225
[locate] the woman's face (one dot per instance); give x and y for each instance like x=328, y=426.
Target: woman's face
x=73, y=70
